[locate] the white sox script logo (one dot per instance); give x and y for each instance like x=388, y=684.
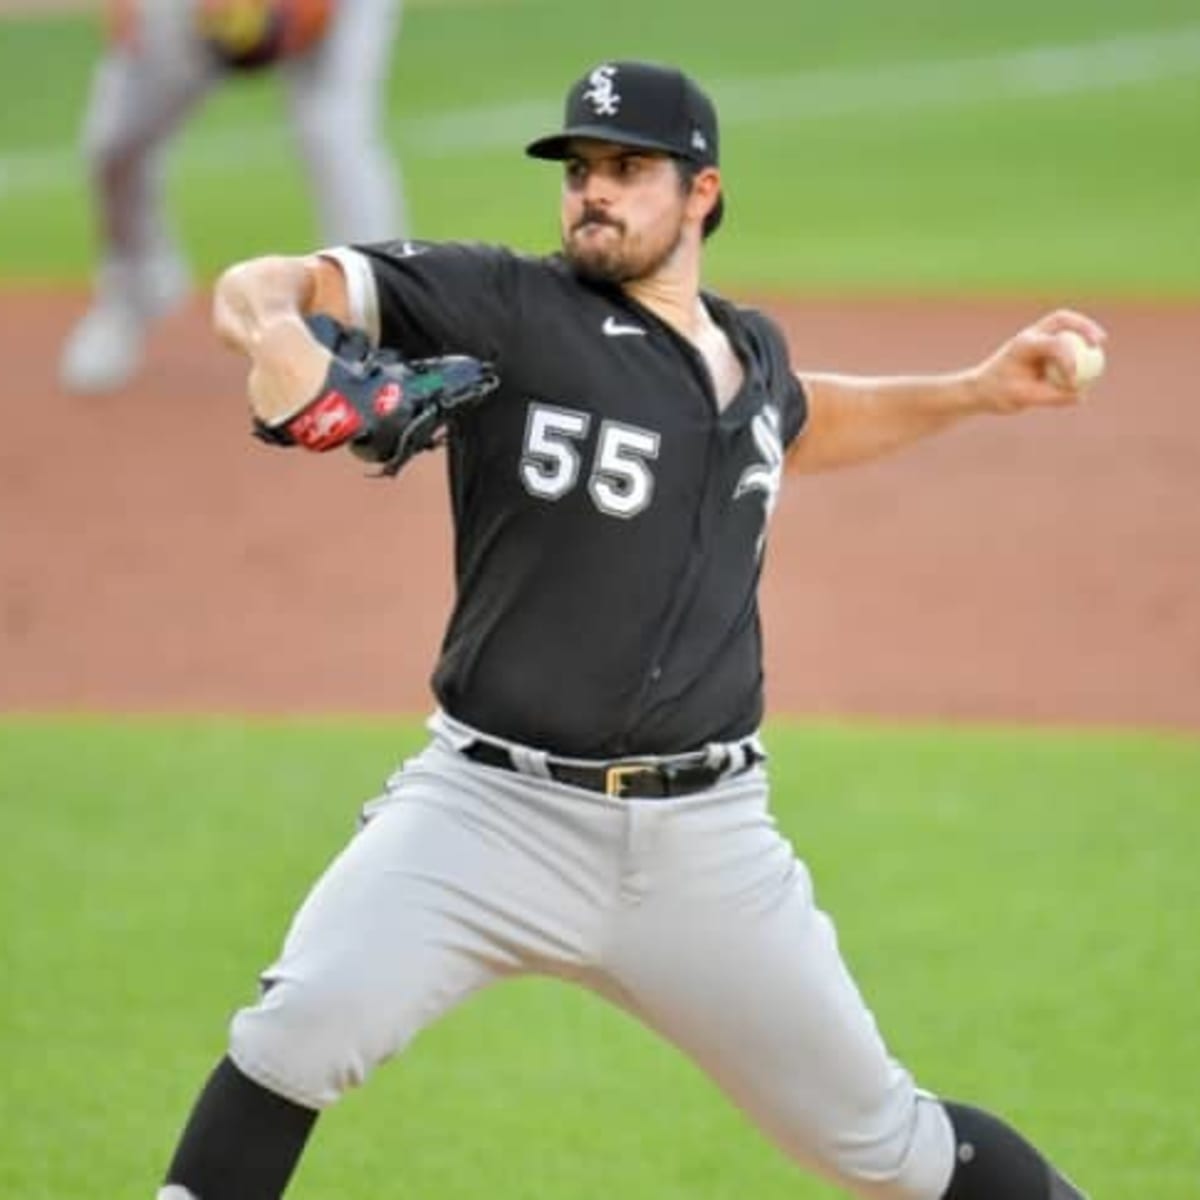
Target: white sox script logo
x=603, y=95
x=767, y=475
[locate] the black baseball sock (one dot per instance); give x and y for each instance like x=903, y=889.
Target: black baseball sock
x=241, y=1142
x=994, y=1162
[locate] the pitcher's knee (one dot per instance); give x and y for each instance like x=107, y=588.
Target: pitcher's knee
x=908, y=1155
x=309, y=1042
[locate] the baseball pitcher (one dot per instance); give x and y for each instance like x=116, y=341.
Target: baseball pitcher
x=593, y=803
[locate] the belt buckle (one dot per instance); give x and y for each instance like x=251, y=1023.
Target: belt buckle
x=615, y=776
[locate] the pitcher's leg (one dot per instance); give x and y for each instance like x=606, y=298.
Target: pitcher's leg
x=725, y=953
x=376, y=952
x=994, y=1162
x=768, y=1010
x=391, y=937
x=241, y=1142
x=452, y=883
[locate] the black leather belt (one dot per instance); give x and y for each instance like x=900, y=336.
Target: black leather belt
x=630, y=778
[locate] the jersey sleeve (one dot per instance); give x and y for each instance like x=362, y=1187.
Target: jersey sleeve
x=795, y=407
x=785, y=386
x=432, y=298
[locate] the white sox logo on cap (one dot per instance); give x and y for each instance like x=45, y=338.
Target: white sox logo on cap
x=606, y=100
x=643, y=105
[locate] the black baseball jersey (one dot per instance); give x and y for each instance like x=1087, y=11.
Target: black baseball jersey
x=609, y=519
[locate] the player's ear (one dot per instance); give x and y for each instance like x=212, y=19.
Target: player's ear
x=706, y=190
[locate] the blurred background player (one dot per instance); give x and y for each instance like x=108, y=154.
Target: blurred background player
x=163, y=58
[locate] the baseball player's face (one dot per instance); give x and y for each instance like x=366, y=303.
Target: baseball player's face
x=622, y=211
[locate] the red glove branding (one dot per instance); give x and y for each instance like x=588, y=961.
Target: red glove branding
x=387, y=399
x=327, y=423
x=384, y=407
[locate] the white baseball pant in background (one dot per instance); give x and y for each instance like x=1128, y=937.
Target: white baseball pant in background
x=141, y=96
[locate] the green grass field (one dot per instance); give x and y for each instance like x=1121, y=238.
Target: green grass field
x=1031, y=145
x=1019, y=908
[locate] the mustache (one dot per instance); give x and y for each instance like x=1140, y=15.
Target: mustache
x=597, y=216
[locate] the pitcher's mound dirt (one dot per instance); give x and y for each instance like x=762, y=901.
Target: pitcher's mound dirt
x=154, y=558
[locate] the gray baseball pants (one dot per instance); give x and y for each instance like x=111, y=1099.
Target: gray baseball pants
x=692, y=914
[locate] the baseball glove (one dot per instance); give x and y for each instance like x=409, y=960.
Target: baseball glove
x=384, y=407
x=246, y=34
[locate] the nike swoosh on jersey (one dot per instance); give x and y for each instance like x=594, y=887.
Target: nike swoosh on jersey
x=613, y=328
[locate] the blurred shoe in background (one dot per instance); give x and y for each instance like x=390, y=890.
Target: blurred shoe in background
x=104, y=350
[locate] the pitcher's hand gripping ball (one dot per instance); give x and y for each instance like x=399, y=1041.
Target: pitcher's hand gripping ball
x=384, y=407
x=245, y=34
x=1087, y=362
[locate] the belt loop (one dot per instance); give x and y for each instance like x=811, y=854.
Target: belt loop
x=732, y=758
x=529, y=761
x=754, y=750
x=727, y=757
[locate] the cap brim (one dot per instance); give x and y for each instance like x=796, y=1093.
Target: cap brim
x=554, y=145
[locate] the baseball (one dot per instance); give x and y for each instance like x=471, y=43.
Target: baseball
x=1089, y=362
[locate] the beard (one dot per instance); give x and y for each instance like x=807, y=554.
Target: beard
x=615, y=258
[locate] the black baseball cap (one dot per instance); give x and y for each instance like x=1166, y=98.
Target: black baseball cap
x=639, y=104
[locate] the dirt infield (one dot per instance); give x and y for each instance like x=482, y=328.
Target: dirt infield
x=154, y=558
